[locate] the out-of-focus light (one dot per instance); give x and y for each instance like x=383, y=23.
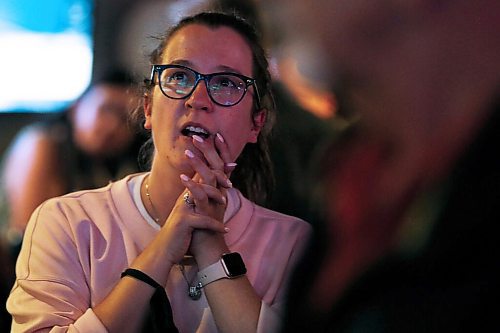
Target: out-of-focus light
x=43, y=69
x=46, y=53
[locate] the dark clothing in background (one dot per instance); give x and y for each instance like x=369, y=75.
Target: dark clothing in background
x=298, y=140
x=6, y=282
x=449, y=282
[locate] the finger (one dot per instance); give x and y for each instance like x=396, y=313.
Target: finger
x=207, y=199
x=229, y=168
x=202, y=193
x=203, y=222
x=205, y=174
x=222, y=148
x=192, y=220
x=222, y=179
x=206, y=147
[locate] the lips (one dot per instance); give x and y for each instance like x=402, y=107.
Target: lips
x=191, y=130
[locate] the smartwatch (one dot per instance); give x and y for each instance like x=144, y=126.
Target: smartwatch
x=229, y=266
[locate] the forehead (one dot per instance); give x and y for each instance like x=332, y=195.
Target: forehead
x=209, y=49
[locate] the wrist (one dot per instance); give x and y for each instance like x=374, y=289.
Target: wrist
x=207, y=258
x=208, y=251
x=229, y=266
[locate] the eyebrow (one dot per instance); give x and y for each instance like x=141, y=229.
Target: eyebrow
x=221, y=68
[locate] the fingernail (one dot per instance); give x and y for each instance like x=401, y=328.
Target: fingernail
x=219, y=136
x=198, y=138
x=228, y=182
x=227, y=229
x=231, y=164
x=189, y=153
x=184, y=177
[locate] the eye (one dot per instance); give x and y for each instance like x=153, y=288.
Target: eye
x=226, y=83
x=177, y=82
x=177, y=77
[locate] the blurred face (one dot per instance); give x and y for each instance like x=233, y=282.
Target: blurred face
x=100, y=121
x=374, y=50
x=174, y=121
x=350, y=32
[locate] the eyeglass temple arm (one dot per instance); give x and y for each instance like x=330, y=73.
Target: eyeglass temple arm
x=257, y=94
x=152, y=76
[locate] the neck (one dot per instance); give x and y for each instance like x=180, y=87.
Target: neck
x=161, y=198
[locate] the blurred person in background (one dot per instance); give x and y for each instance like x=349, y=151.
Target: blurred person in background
x=412, y=238
x=86, y=146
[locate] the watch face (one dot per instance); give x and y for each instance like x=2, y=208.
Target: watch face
x=233, y=264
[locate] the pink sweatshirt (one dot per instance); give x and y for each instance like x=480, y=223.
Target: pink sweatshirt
x=76, y=247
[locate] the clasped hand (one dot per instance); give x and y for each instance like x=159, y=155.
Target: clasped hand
x=199, y=229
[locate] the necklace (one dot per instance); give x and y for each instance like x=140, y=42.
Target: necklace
x=194, y=292
x=157, y=219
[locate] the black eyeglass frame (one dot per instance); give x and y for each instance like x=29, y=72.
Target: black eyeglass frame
x=205, y=77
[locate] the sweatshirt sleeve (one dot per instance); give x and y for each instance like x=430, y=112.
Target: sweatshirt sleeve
x=271, y=315
x=269, y=319
x=51, y=292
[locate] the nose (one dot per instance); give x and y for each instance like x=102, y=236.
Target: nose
x=199, y=98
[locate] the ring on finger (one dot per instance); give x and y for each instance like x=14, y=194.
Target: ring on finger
x=188, y=201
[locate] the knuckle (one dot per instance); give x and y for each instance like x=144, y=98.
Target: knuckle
x=211, y=179
x=218, y=165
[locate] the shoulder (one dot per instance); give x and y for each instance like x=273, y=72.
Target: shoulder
x=31, y=143
x=33, y=156
x=73, y=222
x=73, y=207
x=272, y=221
x=31, y=135
x=277, y=217
x=92, y=205
x=290, y=226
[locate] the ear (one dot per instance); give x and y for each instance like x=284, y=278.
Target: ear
x=259, y=119
x=147, y=105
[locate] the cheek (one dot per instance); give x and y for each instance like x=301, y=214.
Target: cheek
x=163, y=120
x=85, y=121
x=237, y=135
x=162, y=113
x=237, y=145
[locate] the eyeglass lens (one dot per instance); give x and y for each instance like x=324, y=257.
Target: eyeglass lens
x=224, y=89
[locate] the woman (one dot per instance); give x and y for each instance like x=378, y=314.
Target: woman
x=182, y=224
x=83, y=147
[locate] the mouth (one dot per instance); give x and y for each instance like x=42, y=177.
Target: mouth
x=191, y=130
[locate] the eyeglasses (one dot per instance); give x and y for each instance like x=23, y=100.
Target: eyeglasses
x=224, y=88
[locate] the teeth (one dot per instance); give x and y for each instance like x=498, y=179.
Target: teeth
x=198, y=130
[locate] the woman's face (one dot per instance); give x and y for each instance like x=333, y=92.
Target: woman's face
x=100, y=121
x=206, y=50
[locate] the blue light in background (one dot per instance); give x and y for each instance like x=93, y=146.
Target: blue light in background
x=46, y=58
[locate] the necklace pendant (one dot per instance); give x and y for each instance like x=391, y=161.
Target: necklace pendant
x=194, y=293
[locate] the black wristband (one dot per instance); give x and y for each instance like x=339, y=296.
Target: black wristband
x=135, y=273
x=161, y=312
